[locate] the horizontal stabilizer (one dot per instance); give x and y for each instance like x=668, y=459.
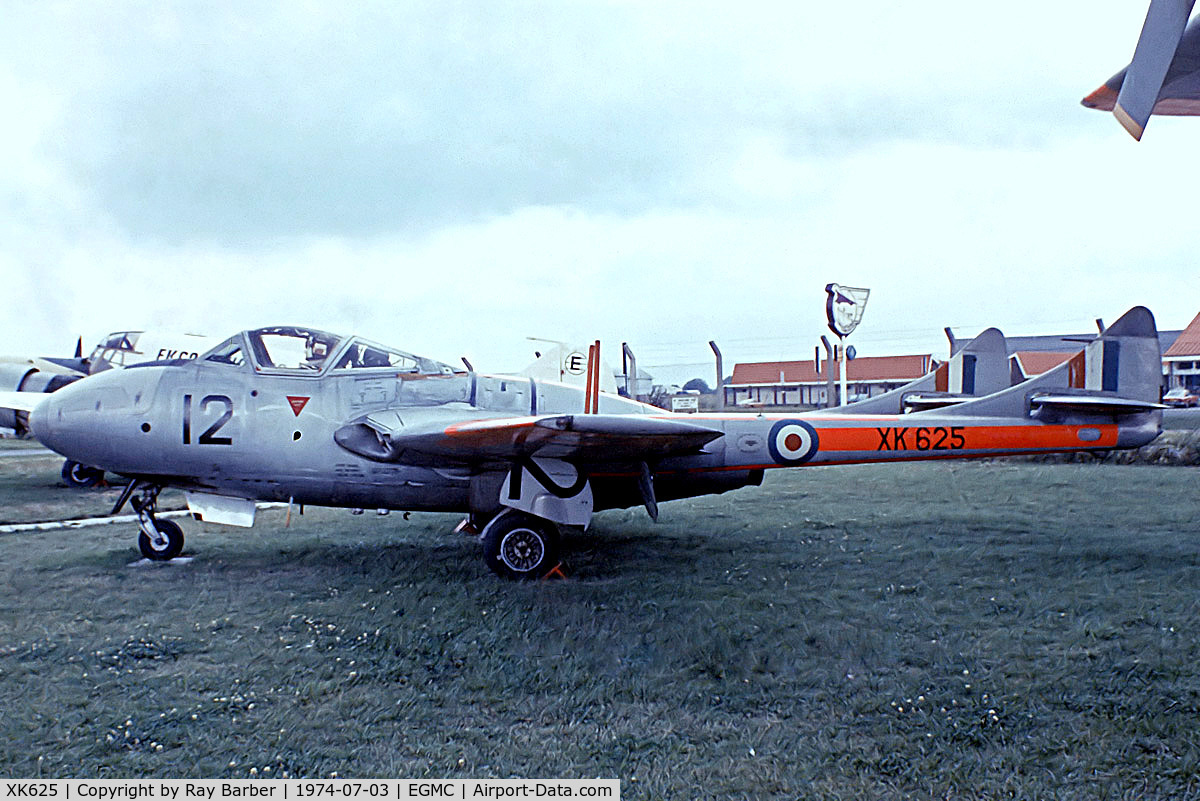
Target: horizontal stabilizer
x=978, y=368
x=922, y=402
x=1090, y=404
x=597, y=437
x=1122, y=368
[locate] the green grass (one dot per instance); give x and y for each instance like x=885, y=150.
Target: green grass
x=20, y=444
x=32, y=490
x=983, y=630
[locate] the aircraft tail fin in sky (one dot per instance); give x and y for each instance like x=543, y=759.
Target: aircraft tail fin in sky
x=1164, y=75
x=1118, y=373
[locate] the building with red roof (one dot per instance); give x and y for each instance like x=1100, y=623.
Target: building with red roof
x=807, y=383
x=804, y=383
x=1182, y=359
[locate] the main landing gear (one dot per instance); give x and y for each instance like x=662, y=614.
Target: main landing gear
x=159, y=540
x=520, y=546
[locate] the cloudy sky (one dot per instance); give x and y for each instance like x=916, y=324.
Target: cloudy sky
x=452, y=178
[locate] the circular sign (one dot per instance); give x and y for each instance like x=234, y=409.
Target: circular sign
x=575, y=363
x=850, y=353
x=792, y=442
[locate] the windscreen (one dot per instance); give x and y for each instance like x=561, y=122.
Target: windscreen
x=291, y=348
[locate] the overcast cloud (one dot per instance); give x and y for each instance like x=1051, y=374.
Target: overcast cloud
x=451, y=178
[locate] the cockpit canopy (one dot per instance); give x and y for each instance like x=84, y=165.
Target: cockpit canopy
x=292, y=349
x=115, y=350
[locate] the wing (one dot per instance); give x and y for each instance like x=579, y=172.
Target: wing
x=421, y=436
x=21, y=401
x=1164, y=75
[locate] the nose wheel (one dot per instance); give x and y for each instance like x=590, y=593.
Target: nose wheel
x=159, y=540
x=520, y=546
x=166, y=545
x=81, y=476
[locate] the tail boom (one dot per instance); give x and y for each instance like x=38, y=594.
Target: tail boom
x=771, y=442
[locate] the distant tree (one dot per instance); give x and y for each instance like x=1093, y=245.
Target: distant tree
x=697, y=385
x=660, y=396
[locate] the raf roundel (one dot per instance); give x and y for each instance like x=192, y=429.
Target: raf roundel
x=792, y=442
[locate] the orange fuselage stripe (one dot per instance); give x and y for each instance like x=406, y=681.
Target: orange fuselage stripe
x=1020, y=437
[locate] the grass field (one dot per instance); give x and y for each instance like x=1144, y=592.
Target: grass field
x=959, y=630
x=32, y=490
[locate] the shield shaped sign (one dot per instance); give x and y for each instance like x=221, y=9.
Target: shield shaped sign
x=844, y=307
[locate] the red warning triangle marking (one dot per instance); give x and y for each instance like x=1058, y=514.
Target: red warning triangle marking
x=297, y=403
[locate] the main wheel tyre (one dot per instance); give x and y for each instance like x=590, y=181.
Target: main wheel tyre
x=81, y=476
x=161, y=552
x=520, y=546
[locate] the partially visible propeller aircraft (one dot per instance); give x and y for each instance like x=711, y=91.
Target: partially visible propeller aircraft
x=299, y=415
x=1164, y=75
x=49, y=373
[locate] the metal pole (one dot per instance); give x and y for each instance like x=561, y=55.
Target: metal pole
x=842, y=363
x=630, y=370
x=828, y=372
x=720, y=375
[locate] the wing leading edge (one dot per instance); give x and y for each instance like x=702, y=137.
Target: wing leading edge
x=21, y=401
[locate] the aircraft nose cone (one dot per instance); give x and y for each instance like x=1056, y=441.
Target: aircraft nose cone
x=97, y=420
x=82, y=421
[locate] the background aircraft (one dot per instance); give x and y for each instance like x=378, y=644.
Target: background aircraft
x=299, y=415
x=566, y=363
x=116, y=350
x=1164, y=75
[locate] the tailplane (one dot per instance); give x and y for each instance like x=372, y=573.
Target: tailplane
x=979, y=368
x=1117, y=374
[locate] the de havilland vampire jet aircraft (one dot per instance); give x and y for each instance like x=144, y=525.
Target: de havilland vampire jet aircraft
x=300, y=415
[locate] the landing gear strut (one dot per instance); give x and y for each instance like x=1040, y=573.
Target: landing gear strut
x=159, y=540
x=520, y=546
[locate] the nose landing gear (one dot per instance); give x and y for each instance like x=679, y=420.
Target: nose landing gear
x=159, y=540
